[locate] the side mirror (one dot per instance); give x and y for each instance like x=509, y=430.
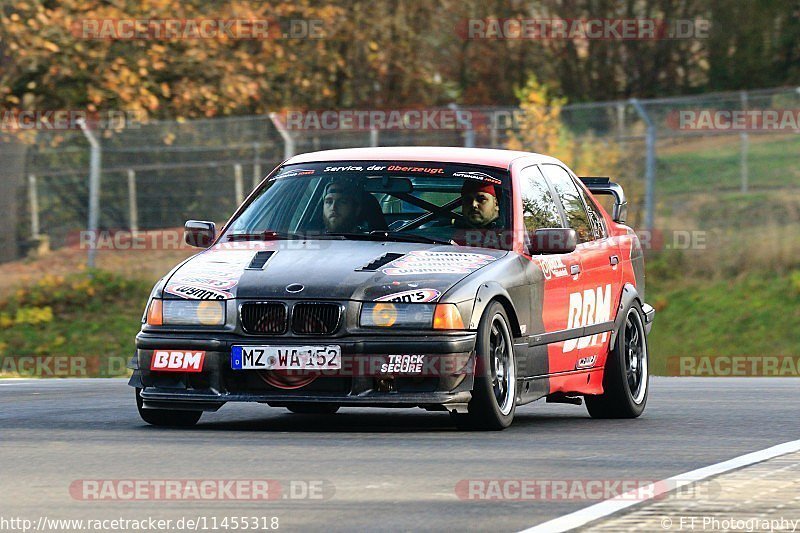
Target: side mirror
x=552, y=241
x=199, y=233
x=602, y=185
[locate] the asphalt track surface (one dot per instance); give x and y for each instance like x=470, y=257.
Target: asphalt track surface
x=391, y=469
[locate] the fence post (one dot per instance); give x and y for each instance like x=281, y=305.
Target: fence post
x=94, y=186
x=745, y=147
x=238, y=183
x=33, y=200
x=650, y=164
x=469, y=133
x=133, y=209
x=620, y=121
x=373, y=137
x=493, y=130
x=288, y=141
x=256, y=164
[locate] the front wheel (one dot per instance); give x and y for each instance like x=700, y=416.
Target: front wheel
x=166, y=417
x=494, y=396
x=626, y=377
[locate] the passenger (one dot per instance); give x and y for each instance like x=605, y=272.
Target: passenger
x=479, y=205
x=341, y=207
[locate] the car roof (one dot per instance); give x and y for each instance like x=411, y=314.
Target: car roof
x=443, y=154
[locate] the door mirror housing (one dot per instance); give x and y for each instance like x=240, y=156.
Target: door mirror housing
x=552, y=241
x=603, y=185
x=199, y=233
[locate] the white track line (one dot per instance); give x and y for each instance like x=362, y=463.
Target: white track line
x=614, y=505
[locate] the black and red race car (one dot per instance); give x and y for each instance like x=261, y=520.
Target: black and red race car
x=465, y=280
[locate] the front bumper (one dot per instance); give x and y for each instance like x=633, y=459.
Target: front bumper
x=445, y=378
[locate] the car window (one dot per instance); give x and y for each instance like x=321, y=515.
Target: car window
x=465, y=204
x=538, y=208
x=577, y=217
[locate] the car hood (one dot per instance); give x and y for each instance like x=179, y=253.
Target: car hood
x=326, y=269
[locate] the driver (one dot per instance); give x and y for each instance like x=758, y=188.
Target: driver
x=479, y=204
x=341, y=207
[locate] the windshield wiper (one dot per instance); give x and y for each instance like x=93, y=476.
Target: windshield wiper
x=268, y=235
x=379, y=235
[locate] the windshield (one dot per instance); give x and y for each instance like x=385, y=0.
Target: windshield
x=409, y=201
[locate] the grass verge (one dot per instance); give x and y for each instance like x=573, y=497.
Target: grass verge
x=756, y=315
x=88, y=318
x=96, y=315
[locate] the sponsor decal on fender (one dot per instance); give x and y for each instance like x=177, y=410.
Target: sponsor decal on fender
x=553, y=266
x=592, y=306
x=210, y=276
x=414, y=296
x=210, y=281
x=197, y=292
x=586, y=362
x=177, y=361
x=423, y=262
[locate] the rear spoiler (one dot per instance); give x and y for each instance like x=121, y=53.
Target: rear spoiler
x=603, y=185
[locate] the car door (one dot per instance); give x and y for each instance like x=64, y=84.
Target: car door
x=551, y=279
x=592, y=292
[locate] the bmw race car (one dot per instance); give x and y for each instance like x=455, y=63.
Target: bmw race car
x=471, y=281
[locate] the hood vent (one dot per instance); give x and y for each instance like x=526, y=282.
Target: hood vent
x=259, y=260
x=375, y=264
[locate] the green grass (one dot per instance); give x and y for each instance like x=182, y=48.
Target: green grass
x=757, y=315
x=100, y=316
x=93, y=316
x=772, y=162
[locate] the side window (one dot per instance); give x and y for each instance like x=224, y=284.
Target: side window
x=538, y=208
x=570, y=197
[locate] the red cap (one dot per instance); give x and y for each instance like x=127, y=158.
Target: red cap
x=473, y=186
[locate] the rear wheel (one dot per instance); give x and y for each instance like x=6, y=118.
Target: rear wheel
x=313, y=408
x=494, y=396
x=166, y=417
x=626, y=377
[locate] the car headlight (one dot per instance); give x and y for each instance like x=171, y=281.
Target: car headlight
x=186, y=313
x=410, y=316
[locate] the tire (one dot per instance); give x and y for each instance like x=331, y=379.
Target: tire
x=313, y=408
x=626, y=379
x=494, y=396
x=166, y=417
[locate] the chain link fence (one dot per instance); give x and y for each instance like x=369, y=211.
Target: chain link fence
x=158, y=174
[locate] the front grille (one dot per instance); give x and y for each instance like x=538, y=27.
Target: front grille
x=315, y=318
x=264, y=318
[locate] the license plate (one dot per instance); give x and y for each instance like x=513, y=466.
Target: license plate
x=286, y=357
